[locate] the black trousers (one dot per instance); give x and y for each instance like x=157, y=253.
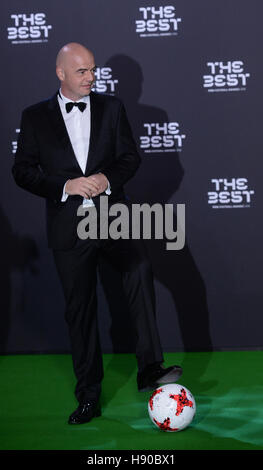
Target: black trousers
x=77, y=269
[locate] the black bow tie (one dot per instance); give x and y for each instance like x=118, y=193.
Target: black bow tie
x=80, y=105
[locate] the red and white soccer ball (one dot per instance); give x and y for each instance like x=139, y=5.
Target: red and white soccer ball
x=171, y=407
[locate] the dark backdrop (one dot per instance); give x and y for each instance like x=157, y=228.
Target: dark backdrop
x=190, y=74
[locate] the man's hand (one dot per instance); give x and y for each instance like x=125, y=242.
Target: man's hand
x=87, y=186
x=101, y=181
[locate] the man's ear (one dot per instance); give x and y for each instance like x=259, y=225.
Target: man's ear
x=60, y=73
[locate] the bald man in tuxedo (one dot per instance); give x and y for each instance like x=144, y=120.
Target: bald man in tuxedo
x=74, y=148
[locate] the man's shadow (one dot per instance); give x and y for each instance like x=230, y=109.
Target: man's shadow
x=18, y=253
x=156, y=181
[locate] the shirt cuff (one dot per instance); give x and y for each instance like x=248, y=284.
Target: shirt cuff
x=108, y=190
x=64, y=194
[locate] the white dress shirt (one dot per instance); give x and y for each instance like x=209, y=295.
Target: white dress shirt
x=78, y=128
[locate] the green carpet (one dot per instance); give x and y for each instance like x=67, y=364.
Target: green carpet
x=37, y=397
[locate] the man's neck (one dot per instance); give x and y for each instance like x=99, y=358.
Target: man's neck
x=68, y=96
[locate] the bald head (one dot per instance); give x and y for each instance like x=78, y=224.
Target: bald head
x=71, y=50
x=75, y=68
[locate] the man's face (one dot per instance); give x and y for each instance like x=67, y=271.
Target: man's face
x=77, y=74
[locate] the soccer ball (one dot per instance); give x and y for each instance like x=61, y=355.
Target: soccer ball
x=171, y=407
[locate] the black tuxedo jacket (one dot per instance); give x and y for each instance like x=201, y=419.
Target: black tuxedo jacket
x=45, y=159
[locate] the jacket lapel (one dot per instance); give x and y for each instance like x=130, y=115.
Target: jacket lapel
x=96, y=112
x=60, y=130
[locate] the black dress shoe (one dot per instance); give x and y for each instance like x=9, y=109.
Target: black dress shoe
x=154, y=375
x=84, y=413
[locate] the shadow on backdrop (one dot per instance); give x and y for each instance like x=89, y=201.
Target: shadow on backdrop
x=156, y=181
x=18, y=253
